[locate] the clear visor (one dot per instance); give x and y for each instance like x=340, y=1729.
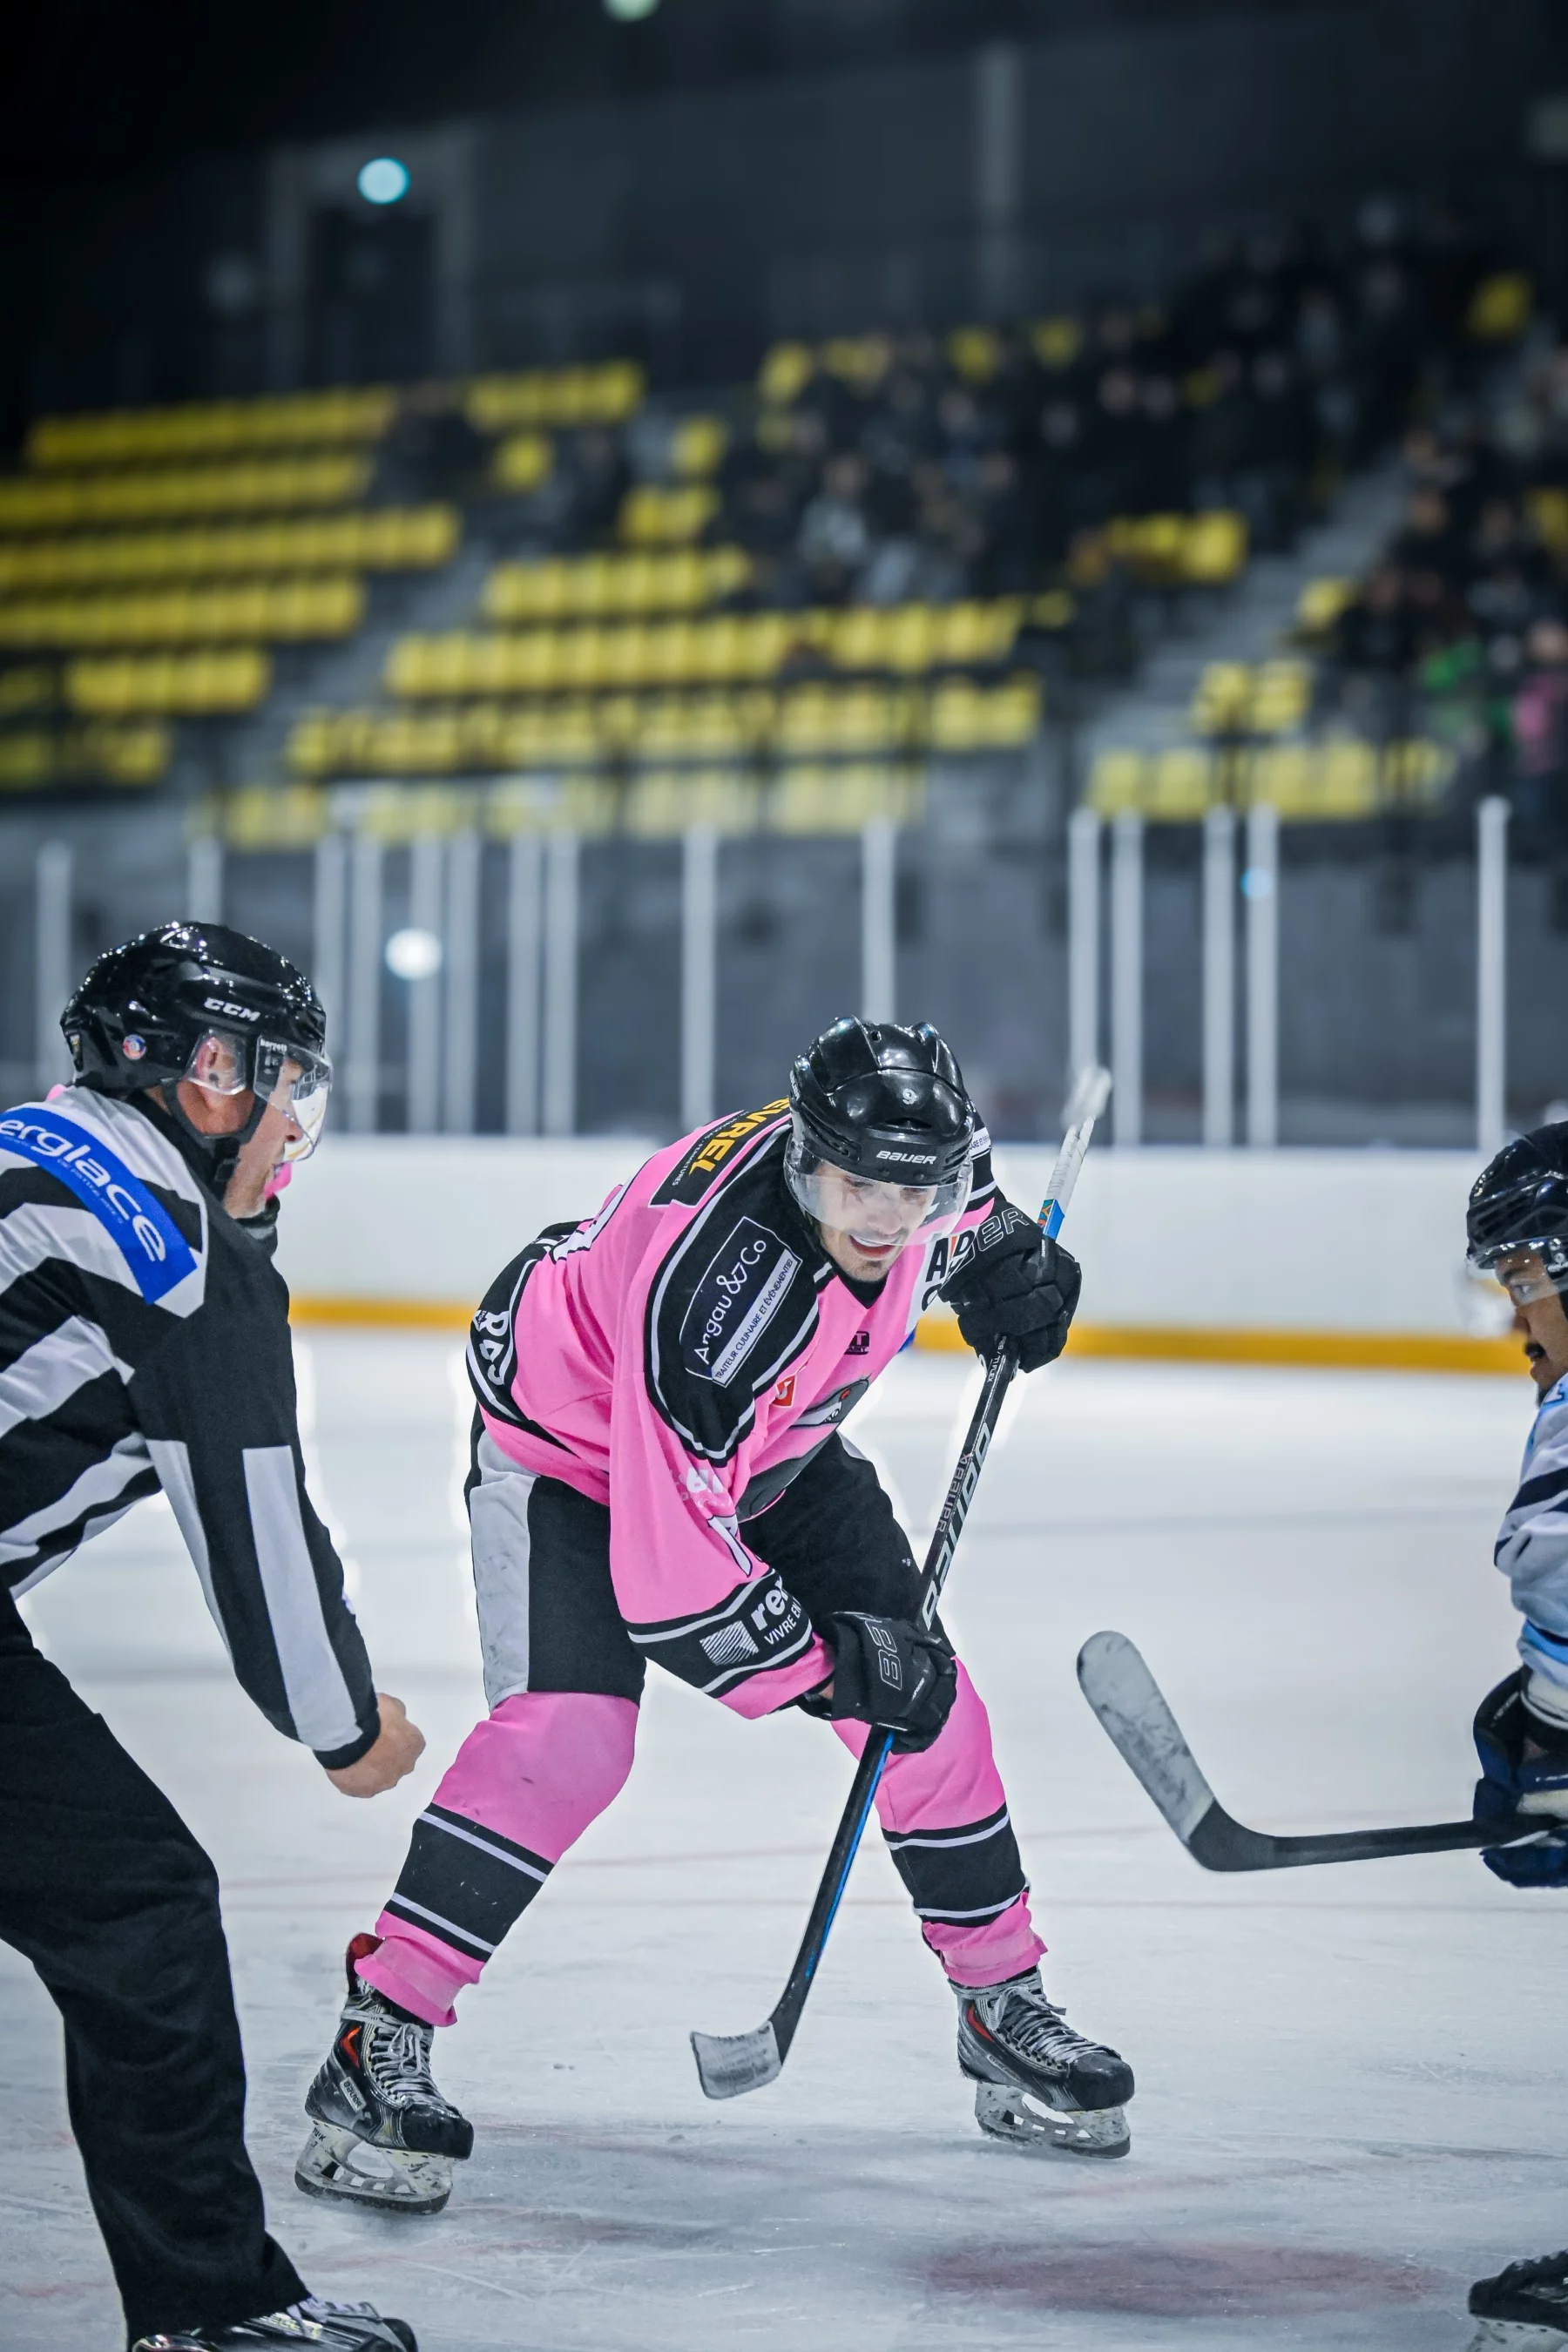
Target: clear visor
x=288, y=1078
x=877, y=1217
x=1526, y=1272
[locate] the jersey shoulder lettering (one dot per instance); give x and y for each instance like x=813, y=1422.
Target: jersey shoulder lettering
x=733, y=1303
x=687, y=1182
x=154, y=1249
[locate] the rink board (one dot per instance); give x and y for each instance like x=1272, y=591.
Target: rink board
x=1344, y=1258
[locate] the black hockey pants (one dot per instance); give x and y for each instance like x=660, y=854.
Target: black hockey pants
x=103, y=1888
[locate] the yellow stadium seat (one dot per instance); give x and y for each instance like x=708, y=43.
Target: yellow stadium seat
x=1178, y=784
x=1500, y=307
x=808, y=799
x=209, y=429
x=1057, y=343
x=964, y=716
x=1281, y=697
x=607, y=394
x=1321, y=602
x=192, y=685
x=785, y=374
x=1222, y=703
x=35, y=689
x=664, y=802
x=45, y=504
x=697, y=447
x=523, y=463
x=1214, y=549
x=652, y=515
x=975, y=353
x=1548, y=508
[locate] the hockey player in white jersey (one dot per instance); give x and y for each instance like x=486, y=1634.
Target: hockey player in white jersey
x=1518, y=1224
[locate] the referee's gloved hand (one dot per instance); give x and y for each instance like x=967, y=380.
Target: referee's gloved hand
x=888, y=1673
x=1016, y=1285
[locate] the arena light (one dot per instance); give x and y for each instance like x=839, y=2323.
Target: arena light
x=630, y=12
x=382, y=180
x=414, y=954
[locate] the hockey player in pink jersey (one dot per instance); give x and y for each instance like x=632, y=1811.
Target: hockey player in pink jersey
x=659, y=1474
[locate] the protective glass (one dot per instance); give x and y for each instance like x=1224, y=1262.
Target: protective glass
x=289, y=1079
x=876, y=1216
x=1526, y=1270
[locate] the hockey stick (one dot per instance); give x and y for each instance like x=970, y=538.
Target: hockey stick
x=728, y=2064
x=1135, y=1715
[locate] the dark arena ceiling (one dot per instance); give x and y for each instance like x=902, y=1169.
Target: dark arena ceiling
x=103, y=87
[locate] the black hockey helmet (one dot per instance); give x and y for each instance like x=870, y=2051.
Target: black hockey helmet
x=888, y=1104
x=199, y=1000
x=1519, y=1209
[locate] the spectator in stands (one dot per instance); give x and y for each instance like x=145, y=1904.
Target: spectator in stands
x=835, y=542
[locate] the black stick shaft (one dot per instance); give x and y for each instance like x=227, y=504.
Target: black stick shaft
x=999, y=1371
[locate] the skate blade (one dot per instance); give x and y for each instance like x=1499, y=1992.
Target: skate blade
x=1517, y=2335
x=334, y=2163
x=730, y=2064
x=1005, y=2113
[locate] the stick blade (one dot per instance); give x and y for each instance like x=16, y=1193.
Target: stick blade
x=1132, y=1709
x=730, y=2064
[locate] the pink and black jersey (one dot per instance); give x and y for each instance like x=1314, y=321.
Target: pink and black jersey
x=680, y=1357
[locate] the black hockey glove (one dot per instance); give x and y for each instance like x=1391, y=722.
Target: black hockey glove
x=1524, y=1768
x=1014, y=1284
x=888, y=1673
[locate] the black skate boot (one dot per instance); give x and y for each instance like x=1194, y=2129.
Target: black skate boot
x=1524, y=2308
x=1036, y=2081
x=325, y=2326
x=383, y=2133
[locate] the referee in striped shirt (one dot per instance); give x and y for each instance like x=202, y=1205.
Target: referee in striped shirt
x=145, y=1344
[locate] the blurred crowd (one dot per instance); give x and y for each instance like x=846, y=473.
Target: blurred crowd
x=886, y=468
x=1466, y=612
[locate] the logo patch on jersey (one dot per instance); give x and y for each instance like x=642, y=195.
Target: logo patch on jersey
x=860, y=1345
x=785, y=1392
x=743, y=1289
x=694, y=1175
x=728, y=1645
x=151, y=1244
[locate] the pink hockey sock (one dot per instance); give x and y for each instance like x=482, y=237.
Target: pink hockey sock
x=946, y=1786
x=537, y=1771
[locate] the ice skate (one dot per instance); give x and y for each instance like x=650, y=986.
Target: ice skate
x=1037, y=2083
x=383, y=2135
x=1524, y=2308
x=326, y=2327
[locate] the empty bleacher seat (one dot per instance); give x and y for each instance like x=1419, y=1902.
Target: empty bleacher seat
x=259, y=612
x=653, y=516
x=177, y=685
x=559, y=397
x=588, y=586
x=210, y=429
x=374, y=539
x=42, y=503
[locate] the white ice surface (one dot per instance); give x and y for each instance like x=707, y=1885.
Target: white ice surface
x=1351, y=2081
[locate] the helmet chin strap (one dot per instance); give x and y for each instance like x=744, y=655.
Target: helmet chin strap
x=221, y=1152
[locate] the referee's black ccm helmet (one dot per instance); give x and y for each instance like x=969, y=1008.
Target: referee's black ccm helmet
x=201, y=1001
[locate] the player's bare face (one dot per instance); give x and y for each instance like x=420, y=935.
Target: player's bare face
x=1539, y=1317
x=864, y=1226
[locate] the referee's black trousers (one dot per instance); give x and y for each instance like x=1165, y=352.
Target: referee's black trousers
x=103, y=1888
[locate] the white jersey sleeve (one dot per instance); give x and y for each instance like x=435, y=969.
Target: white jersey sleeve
x=1533, y=1544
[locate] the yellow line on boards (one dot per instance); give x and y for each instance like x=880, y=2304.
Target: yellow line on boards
x=385, y=1314
x=1391, y=1352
